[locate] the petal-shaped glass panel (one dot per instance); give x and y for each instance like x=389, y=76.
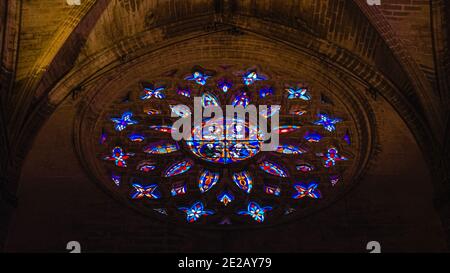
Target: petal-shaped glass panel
x=244, y=181
x=146, y=166
x=273, y=169
x=161, y=148
x=207, y=180
x=178, y=168
x=290, y=149
x=209, y=100
x=225, y=197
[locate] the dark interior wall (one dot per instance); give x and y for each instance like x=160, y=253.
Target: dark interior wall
x=447, y=53
x=58, y=203
x=6, y=198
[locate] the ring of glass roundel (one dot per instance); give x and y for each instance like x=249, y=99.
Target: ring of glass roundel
x=221, y=182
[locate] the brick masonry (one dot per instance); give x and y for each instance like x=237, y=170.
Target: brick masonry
x=411, y=21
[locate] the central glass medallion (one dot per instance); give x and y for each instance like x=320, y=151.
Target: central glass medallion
x=224, y=141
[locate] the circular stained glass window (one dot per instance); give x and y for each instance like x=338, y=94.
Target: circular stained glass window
x=222, y=179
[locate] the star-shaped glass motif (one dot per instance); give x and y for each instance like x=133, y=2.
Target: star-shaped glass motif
x=255, y=211
x=327, y=122
x=298, y=93
x=151, y=92
x=150, y=191
x=307, y=190
x=122, y=123
x=199, y=77
x=119, y=157
x=195, y=212
x=251, y=77
x=331, y=157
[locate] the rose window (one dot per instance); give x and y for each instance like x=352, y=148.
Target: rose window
x=216, y=180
